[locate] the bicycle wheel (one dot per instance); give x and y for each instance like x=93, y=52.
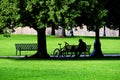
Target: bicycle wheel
x=56, y=52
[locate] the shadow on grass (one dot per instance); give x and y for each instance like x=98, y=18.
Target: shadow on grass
x=105, y=57
x=84, y=58
x=67, y=58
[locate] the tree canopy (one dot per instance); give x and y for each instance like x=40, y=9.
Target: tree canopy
x=93, y=15
x=39, y=13
x=113, y=17
x=8, y=13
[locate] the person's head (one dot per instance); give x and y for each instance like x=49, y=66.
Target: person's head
x=80, y=40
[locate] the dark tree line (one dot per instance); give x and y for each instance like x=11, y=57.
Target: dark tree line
x=113, y=14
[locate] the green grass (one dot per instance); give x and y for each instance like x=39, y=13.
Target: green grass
x=59, y=70
x=110, y=45
x=7, y=47
x=18, y=69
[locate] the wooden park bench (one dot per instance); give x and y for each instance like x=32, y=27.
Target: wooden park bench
x=72, y=49
x=25, y=47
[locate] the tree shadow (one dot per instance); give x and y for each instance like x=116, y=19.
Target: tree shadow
x=66, y=58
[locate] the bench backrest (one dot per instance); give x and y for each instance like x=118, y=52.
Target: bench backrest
x=27, y=46
x=74, y=47
x=71, y=46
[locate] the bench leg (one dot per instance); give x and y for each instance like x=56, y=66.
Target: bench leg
x=89, y=54
x=20, y=53
x=16, y=52
x=71, y=54
x=84, y=54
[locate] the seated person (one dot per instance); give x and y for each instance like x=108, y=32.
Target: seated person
x=81, y=48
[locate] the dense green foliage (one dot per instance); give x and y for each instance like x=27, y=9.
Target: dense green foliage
x=43, y=13
x=8, y=13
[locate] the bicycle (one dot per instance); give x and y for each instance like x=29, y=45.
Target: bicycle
x=60, y=52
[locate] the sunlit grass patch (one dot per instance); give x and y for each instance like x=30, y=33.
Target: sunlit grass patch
x=59, y=70
x=109, y=45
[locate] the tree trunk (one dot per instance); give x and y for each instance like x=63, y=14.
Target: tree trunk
x=104, y=31
x=97, y=52
x=63, y=32
x=53, y=30
x=71, y=33
x=42, y=48
x=119, y=31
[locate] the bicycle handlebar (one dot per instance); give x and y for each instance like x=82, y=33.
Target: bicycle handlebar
x=59, y=44
x=66, y=44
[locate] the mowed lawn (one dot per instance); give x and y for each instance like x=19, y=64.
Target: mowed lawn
x=12, y=69
x=79, y=69
x=109, y=45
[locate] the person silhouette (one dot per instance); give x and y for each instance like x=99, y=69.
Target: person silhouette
x=81, y=48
